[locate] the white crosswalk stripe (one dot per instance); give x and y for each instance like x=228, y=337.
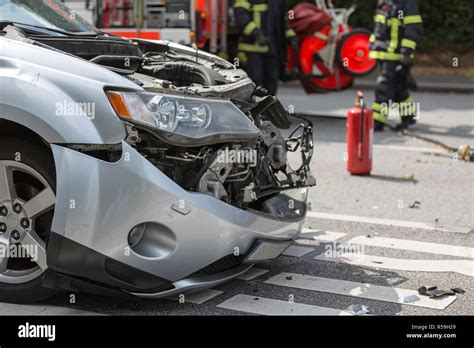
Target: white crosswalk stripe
x=198, y=297
x=41, y=310
x=266, y=306
x=361, y=290
x=389, y=222
x=465, y=267
x=404, y=148
x=323, y=236
x=297, y=251
x=252, y=274
x=411, y=245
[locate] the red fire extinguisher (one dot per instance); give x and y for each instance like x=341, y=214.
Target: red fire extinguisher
x=360, y=133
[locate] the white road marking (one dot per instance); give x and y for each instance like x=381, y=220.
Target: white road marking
x=419, y=149
x=323, y=236
x=198, y=297
x=361, y=290
x=438, y=129
x=465, y=267
x=389, y=222
x=297, y=251
x=411, y=245
x=266, y=306
x=41, y=310
x=252, y=274
x=411, y=149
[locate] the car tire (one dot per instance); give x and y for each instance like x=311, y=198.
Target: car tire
x=38, y=158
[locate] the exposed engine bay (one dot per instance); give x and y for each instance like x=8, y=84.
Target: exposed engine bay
x=248, y=169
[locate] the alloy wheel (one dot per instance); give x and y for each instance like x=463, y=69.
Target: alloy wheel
x=27, y=201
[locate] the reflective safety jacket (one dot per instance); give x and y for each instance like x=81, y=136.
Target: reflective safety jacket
x=266, y=18
x=398, y=27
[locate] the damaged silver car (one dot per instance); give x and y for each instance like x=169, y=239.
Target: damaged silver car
x=133, y=166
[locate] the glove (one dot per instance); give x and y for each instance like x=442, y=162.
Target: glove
x=262, y=40
x=406, y=56
x=406, y=59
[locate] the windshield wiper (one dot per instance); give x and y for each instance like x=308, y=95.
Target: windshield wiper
x=59, y=31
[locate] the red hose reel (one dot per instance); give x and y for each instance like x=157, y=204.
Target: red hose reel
x=330, y=57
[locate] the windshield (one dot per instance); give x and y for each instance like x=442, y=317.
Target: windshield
x=51, y=14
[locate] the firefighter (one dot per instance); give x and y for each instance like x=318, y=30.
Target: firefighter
x=264, y=35
x=397, y=30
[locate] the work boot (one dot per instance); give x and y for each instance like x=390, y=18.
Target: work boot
x=406, y=122
x=378, y=126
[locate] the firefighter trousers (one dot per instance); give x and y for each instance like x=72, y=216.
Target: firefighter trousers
x=392, y=91
x=264, y=70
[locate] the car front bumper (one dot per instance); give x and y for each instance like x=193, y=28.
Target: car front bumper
x=99, y=203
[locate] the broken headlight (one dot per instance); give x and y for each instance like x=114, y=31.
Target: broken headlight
x=180, y=117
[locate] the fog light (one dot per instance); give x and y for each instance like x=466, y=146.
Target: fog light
x=152, y=240
x=135, y=235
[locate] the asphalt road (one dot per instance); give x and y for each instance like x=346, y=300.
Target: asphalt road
x=402, y=245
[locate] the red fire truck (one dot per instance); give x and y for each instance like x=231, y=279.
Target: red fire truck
x=203, y=22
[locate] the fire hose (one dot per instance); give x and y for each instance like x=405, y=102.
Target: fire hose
x=464, y=152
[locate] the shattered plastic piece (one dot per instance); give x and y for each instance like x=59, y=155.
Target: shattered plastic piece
x=411, y=299
x=458, y=291
x=415, y=205
x=377, y=262
x=359, y=309
x=289, y=278
x=434, y=292
x=424, y=290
